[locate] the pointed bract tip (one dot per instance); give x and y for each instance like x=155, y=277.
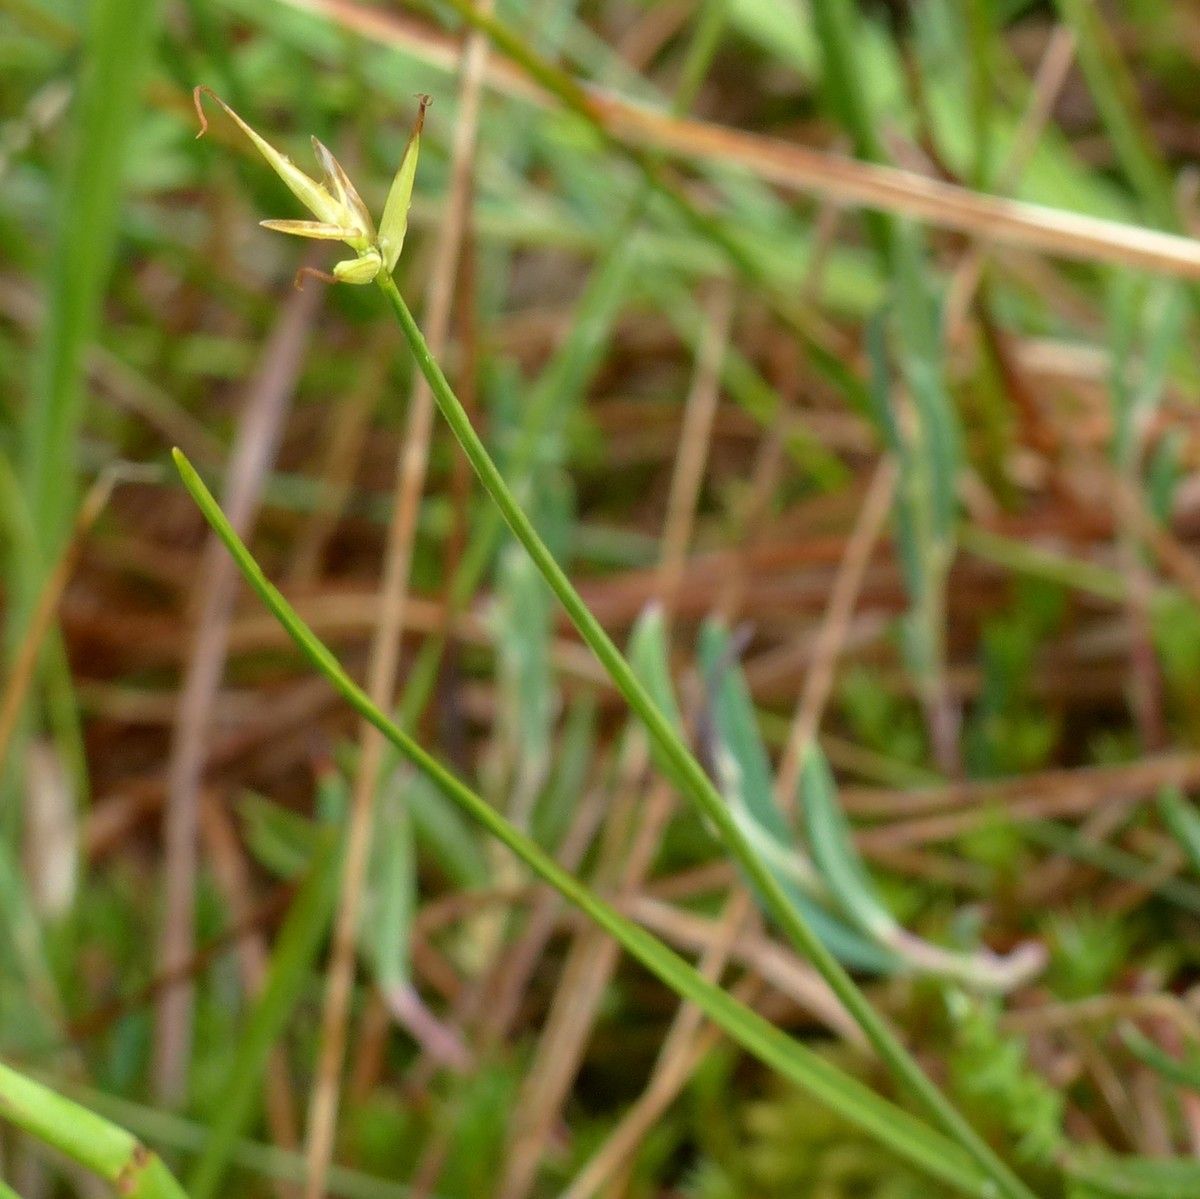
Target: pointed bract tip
x=197, y=92
x=306, y=271
x=424, y=99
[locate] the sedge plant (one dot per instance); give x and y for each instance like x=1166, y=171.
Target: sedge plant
x=952, y=1151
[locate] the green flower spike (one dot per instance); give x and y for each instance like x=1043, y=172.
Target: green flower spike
x=341, y=214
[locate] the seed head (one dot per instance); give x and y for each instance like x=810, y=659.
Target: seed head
x=335, y=203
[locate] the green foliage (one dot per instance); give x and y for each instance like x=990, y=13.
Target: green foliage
x=575, y=751
x=470, y=1115
x=780, y=1146
x=744, y=772
x=991, y=1072
x=1183, y=821
x=926, y=442
x=1010, y=732
x=880, y=719
x=1099, y=1175
x=1087, y=948
x=281, y=840
x=1175, y=626
x=527, y=692
x=995, y=842
x=118, y=45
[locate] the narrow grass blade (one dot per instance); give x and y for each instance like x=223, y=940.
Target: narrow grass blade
x=25, y=966
x=575, y=751
x=390, y=898
x=40, y=641
x=118, y=41
x=911, y=1139
x=97, y=1145
x=523, y=626
x=283, y=841
x=1183, y=821
x=929, y=475
x=649, y=658
x=1105, y=1174
x=451, y=842
x=832, y=843
x=743, y=769
x=292, y=959
x=833, y=849
x=1185, y=1073
x=1115, y=94
x=1146, y=326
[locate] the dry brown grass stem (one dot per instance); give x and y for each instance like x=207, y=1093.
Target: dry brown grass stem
x=926, y=830
x=348, y=423
x=1081, y=787
x=21, y=675
x=818, y=681
x=991, y=219
x=695, y=436
x=774, y=963
x=258, y=433
x=1048, y=83
x=805, y=171
x=345, y=614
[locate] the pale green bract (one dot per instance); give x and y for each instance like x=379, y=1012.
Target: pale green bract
x=340, y=213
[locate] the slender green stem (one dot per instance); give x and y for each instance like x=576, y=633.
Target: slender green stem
x=573, y=363
x=890, y=1125
x=104, y=1148
x=691, y=774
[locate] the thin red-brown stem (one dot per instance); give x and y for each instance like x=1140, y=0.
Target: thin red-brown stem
x=259, y=430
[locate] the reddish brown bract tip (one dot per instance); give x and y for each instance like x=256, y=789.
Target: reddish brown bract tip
x=197, y=92
x=304, y=272
x=424, y=99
